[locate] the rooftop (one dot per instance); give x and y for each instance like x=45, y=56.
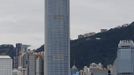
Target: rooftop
x=4, y=56
x=126, y=43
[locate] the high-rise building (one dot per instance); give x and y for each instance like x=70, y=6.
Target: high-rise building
x=5, y=65
x=124, y=63
x=57, y=37
x=22, y=58
x=39, y=65
x=17, y=52
x=31, y=63
x=22, y=54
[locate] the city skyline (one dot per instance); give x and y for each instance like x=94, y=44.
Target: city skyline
x=27, y=25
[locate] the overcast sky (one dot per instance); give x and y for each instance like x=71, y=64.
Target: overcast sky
x=23, y=20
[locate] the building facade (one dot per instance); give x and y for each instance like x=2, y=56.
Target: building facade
x=5, y=65
x=31, y=64
x=39, y=65
x=57, y=38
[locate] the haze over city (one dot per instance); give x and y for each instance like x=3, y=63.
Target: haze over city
x=23, y=20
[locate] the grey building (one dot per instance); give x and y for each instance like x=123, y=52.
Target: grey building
x=124, y=63
x=22, y=56
x=57, y=38
x=39, y=65
x=31, y=64
x=17, y=52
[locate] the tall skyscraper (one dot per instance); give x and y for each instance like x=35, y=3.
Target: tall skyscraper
x=22, y=58
x=57, y=37
x=124, y=63
x=31, y=63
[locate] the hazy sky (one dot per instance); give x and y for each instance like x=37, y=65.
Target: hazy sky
x=23, y=20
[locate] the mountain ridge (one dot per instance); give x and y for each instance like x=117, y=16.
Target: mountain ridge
x=89, y=49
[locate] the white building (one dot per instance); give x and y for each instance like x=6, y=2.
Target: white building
x=81, y=72
x=98, y=69
x=16, y=72
x=124, y=63
x=5, y=65
x=86, y=70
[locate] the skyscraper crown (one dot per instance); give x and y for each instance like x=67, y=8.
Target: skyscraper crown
x=126, y=44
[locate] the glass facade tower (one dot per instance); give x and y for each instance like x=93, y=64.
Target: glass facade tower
x=57, y=38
